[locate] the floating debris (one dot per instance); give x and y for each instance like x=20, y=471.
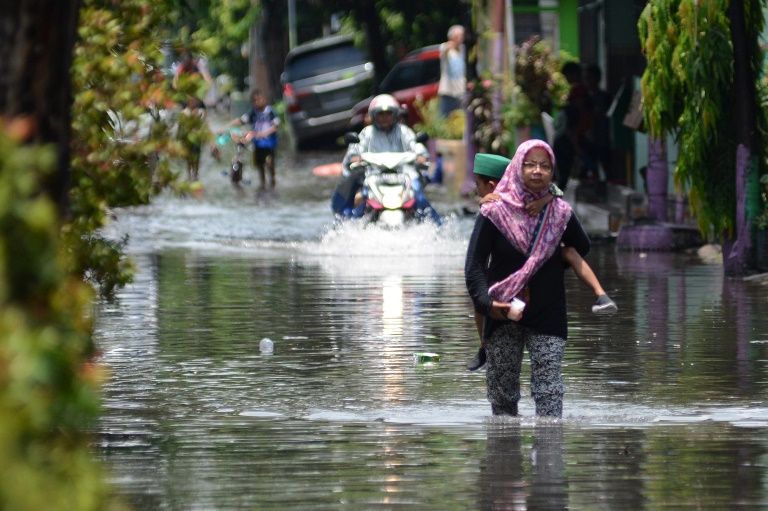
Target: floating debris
x=425, y=358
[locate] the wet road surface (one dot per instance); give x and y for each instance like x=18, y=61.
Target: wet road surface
x=665, y=405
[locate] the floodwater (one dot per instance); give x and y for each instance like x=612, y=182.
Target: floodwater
x=665, y=405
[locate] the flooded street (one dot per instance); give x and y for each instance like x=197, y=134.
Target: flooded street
x=665, y=404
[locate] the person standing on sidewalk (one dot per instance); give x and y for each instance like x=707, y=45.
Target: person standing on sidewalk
x=453, y=77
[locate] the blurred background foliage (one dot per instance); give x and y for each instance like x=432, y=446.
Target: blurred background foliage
x=539, y=85
x=124, y=150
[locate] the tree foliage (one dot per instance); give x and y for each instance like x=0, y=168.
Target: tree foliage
x=688, y=92
x=48, y=395
x=124, y=145
x=220, y=29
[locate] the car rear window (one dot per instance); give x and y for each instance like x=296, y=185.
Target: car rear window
x=402, y=76
x=406, y=75
x=325, y=60
x=431, y=71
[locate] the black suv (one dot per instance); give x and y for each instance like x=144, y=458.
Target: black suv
x=322, y=81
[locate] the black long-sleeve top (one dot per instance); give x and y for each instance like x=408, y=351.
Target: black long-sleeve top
x=545, y=312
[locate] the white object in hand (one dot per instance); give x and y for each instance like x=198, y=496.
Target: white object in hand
x=516, y=307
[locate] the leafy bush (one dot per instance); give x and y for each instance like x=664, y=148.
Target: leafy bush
x=491, y=135
x=500, y=105
x=437, y=126
x=539, y=85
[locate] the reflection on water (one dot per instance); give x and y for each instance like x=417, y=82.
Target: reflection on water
x=665, y=403
x=520, y=473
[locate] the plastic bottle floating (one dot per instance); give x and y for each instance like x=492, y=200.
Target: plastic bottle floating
x=266, y=345
x=425, y=358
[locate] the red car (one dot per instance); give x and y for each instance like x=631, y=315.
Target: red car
x=415, y=77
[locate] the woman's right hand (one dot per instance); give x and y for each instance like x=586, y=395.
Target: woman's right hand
x=499, y=311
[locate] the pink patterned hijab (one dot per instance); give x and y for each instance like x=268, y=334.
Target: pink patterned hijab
x=509, y=216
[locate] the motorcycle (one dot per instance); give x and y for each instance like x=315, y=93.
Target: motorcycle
x=392, y=189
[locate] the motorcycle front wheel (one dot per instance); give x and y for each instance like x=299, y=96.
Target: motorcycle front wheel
x=237, y=173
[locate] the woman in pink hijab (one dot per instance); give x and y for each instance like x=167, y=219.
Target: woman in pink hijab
x=526, y=263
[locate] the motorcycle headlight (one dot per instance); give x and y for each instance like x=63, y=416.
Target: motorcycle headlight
x=392, y=201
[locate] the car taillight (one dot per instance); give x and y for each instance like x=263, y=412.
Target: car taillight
x=289, y=98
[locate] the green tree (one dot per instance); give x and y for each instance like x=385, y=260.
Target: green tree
x=60, y=174
x=219, y=29
x=124, y=145
x=689, y=92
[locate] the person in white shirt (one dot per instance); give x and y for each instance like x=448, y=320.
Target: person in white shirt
x=453, y=76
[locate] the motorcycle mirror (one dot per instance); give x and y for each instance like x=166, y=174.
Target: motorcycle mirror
x=351, y=138
x=422, y=137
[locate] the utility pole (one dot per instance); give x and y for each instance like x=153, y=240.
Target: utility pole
x=291, y=24
x=470, y=40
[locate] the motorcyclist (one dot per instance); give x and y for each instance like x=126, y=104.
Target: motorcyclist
x=385, y=134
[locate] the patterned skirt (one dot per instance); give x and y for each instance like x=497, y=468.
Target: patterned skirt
x=505, y=358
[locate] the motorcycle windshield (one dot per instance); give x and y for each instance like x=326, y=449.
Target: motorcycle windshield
x=389, y=160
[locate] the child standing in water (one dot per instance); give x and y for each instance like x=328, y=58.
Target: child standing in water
x=193, y=131
x=263, y=124
x=488, y=171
